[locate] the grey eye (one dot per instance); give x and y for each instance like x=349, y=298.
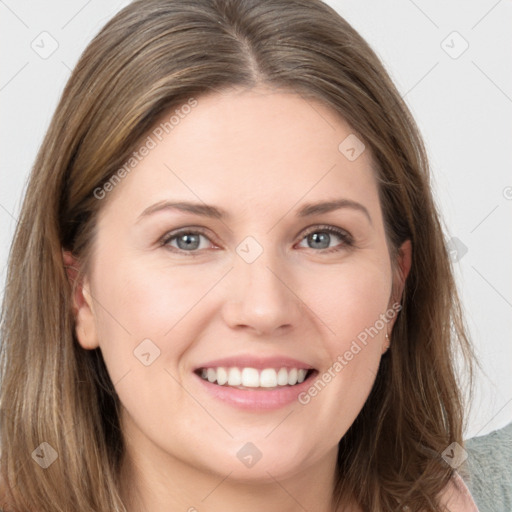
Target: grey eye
x=319, y=240
x=188, y=241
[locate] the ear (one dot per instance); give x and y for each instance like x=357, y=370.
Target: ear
x=402, y=268
x=85, y=325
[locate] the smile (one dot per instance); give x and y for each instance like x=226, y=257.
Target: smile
x=247, y=377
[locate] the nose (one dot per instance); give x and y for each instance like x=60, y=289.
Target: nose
x=261, y=297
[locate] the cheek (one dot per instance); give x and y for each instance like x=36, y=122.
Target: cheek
x=348, y=299
x=146, y=321
x=139, y=300
x=350, y=302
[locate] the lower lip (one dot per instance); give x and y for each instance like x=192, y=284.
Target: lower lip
x=259, y=398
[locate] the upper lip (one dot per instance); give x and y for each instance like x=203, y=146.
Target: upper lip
x=257, y=362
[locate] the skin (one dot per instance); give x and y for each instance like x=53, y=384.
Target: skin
x=260, y=155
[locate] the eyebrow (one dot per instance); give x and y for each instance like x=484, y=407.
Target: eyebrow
x=215, y=212
x=329, y=206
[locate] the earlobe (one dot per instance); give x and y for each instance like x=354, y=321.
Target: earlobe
x=386, y=345
x=83, y=311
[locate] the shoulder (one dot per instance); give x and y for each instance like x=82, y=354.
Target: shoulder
x=456, y=496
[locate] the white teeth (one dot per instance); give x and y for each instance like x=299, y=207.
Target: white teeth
x=268, y=378
x=222, y=376
x=235, y=377
x=292, y=376
x=211, y=375
x=250, y=378
x=253, y=378
x=282, y=377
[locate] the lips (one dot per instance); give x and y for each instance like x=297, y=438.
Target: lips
x=250, y=382
x=255, y=372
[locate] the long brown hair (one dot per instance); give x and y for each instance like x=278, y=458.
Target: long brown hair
x=151, y=57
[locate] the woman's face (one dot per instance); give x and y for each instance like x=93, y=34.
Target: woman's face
x=281, y=281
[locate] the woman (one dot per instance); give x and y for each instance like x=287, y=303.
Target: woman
x=228, y=287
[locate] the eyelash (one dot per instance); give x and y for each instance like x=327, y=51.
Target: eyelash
x=347, y=240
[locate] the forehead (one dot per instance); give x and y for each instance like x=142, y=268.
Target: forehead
x=250, y=150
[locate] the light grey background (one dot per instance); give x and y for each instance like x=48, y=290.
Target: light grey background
x=461, y=100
